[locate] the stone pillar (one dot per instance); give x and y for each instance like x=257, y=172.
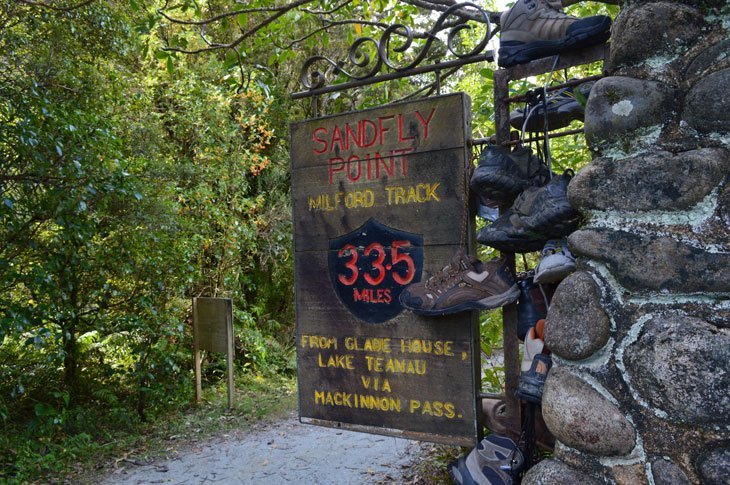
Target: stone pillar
x=640, y=390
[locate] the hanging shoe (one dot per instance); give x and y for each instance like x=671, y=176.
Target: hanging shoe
x=563, y=107
x=533, y=303
x=556, y=262
x=501, y=175
x=534, y=345
x=487, y=209
x=495, y=460
x=532, y=382
x=533, y=29
x=508, y=234
x=535, y=365
x=494, y=412
x=465, y=284
x=550, y=212
x=536, y=216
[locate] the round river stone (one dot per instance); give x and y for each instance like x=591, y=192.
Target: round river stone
x=669, y=360
x=582, y=418
x=714, y=467
x=707, y=107
x=667, y=472
x=555, y=472
x=660, y=29
x=658, y=180
x=620, y=105
x=576, y=324
x=658, y=263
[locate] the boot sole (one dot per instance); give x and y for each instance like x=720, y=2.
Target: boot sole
x=558, y=118
x=495, y=301
x=502, y=241
x=512, y=53
x=550, y=273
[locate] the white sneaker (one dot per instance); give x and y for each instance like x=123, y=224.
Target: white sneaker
x=556, y=262
x=533, y=346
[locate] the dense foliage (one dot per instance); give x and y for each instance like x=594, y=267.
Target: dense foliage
x=127, y=188
x=134, y=176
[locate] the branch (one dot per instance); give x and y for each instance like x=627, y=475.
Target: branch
x=33, y=3
x=327, y=12
x=243, y=36
x=443, y=5
x=283, y=8
x=301, y=39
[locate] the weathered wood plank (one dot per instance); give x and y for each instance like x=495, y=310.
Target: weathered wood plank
x=429, y=199
x=405, y=128
x=379, y=202
x=318, y=305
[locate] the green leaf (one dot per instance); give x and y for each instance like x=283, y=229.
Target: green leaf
x=487, y=72
x=170, y=65
x=582, y=100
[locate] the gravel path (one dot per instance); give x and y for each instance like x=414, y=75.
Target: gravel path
x=286, y=451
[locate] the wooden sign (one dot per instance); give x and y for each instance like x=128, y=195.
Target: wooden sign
x=379, y=202
x=213, y=331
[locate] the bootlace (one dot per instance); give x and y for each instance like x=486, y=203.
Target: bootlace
x=553, y=9
x=446, y=275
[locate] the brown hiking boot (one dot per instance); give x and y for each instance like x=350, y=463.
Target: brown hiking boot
x=465, y=284
x=533, y=29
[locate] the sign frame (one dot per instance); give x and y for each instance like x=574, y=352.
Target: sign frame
x=213, y=331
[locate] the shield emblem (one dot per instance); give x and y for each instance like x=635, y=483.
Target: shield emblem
x=370, y=266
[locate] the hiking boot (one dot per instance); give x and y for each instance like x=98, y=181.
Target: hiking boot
x=535, y=365
x=532, y=382
x=508, y=234
x=465, y=284
x=533, y=29
x=487, y=209
x=501, y=175
x=495, y=460
x=537, y=215
x=550, y=212
x=532, y=305
x=556, y=262
x=494, y=412
x=563, y=107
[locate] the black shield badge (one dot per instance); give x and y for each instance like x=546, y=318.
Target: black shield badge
x=370, y=266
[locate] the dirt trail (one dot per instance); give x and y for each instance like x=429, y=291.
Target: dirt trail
x=286, y=451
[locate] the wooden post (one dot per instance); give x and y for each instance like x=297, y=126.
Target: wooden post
x=196, y=353
x=229, y=351
x=509, y=312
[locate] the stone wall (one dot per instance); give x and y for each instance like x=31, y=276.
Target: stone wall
x=640, y=335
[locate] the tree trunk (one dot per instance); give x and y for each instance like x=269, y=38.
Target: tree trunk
x=70, y=362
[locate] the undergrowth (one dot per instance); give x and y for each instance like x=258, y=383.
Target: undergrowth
x=80, y=444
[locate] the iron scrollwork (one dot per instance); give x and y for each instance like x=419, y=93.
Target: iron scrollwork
x=370, y=65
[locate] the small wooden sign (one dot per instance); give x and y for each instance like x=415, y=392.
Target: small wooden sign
x=213, y=331
x=380, y=202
